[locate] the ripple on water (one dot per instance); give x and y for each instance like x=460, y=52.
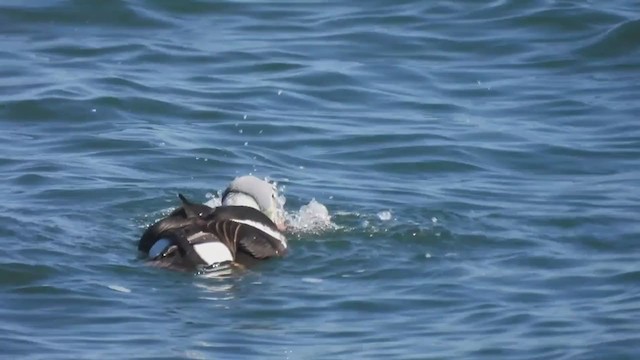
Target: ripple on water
x=460, y=177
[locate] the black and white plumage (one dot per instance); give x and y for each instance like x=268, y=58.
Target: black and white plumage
x=256, y=193
x=196, y=235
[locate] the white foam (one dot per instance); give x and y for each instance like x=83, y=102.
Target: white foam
x=311, y=218
x=215, y=200
x=384, y=215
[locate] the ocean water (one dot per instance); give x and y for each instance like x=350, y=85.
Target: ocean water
x=479, y=162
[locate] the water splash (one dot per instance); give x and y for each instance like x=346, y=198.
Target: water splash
x=384, y=215
x=314, y=217
x=310, y=218
x=215, y=200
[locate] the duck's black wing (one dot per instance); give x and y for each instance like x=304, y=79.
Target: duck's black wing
x=186, y=243
x=180, y=217
x=192, y=235
x=249, y=229
x=177, y=239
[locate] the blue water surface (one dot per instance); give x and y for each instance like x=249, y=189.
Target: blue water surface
x=480, y=161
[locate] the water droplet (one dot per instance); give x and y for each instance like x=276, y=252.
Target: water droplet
x=434, y=220
x=93, y=110
x=427, y=255
x=240, y=131
x=246, y=143
x=260, y=132
x=245, y=117
x=279, y=92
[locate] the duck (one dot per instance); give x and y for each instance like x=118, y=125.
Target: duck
x=246, y=228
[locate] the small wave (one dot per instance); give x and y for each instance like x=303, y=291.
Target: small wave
x=119, y=288
x=620, y=40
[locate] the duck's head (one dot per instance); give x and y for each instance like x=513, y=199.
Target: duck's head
x=256, y=193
